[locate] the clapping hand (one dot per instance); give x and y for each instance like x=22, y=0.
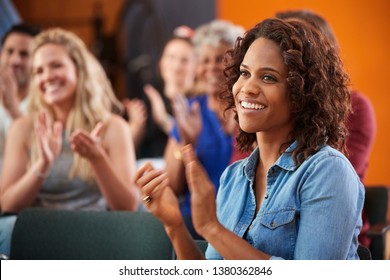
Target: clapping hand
x=159, y=111
x=136, y=110
x=203, y=206
x=157, y=196
x=189, y=120
x=88, y=145
x=49, y=138
x=9, y=91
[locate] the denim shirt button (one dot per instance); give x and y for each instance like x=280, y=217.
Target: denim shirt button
x=266, y=196
x=273, y=224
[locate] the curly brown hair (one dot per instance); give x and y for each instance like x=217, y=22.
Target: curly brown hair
x=317, y=85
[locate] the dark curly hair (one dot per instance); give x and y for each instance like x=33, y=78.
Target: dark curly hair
x=317, y=85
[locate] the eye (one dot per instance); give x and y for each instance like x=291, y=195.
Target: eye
x=37, y=71
x=269, y=78
x=56, y=65
x=24, y=54
x=244, y=73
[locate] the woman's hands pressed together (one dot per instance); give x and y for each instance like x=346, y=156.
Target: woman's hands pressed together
x=159, y=198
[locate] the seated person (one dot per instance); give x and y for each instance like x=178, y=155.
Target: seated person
x=73, y=152
x=201, y=119
x=296, y=196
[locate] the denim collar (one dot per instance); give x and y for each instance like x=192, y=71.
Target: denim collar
x=285, y=161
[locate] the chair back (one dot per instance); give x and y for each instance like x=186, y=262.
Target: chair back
x=202, y=245
x=376, y=204
x=64, y=235
x=364, y=253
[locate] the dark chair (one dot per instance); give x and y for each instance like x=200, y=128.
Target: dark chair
x=65, y=235
x=386, y=238
x=376, y=207
x=364, y=253
x=202, y=245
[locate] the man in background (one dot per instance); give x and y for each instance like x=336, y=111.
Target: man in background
x=14, y=80
x=14, y=72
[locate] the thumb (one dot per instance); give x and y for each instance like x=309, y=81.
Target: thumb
x=96, y=132
x=188, y=154
x=190, y=163
x=148, y=89
x=125, y=101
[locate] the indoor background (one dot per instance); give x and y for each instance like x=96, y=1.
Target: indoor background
x=362, y=29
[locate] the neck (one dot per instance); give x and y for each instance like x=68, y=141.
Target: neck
x=270, y=148
x=61, y=114
x=22, y=93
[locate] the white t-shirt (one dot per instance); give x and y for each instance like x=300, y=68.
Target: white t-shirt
x=5, y=123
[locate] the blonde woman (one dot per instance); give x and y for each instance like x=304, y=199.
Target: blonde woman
x=72, y=152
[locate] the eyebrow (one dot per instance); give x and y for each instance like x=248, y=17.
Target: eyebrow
x=263, y=68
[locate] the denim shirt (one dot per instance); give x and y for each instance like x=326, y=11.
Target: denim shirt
x=309, y=211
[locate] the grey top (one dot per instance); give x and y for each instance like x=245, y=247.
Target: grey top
x=60, y=192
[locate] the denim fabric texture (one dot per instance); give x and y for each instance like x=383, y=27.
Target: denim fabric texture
x=309, y=211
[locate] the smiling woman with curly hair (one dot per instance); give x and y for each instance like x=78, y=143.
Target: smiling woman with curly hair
x=296, y=196
x=317, y=88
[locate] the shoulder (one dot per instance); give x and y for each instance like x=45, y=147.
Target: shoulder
x=116, y=122
x=329, y=173
x=328, y=154
x=329, y=165
x=116, y=126
x=24, y=124
x=21, y=130
x=361, y=105
x=359, y=98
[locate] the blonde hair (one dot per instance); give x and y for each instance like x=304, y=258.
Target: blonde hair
x=95, y=99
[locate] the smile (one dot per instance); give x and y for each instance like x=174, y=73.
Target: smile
x=248, y=105
x=49, y=88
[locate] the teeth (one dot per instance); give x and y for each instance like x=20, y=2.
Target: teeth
x=255, y=106
x=51, y=87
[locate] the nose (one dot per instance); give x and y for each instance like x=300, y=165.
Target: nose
x=47, y=74
x=250, y=88
x=15, y=59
